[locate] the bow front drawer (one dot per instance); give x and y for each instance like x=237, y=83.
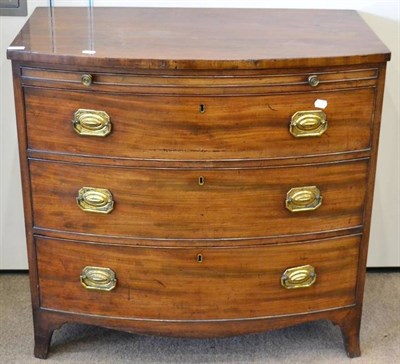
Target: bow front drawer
x=197, y=204
x=171, y=284
x=198, y=127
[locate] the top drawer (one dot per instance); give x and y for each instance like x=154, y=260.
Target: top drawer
x=198, y=127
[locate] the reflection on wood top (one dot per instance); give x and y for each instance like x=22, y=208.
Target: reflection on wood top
x=177, y=38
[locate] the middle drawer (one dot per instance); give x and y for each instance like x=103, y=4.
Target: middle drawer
x=197, y=204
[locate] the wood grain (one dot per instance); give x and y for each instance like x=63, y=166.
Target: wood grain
x=168, y=127
x=170, y=204
x=206, y=82
x=197, y=329
x=151, y=71
x=169, y=284
x=199, y=38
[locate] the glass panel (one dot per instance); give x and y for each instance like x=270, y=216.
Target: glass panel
x=89, y=4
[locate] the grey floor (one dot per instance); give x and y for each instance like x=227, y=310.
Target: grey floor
x=318, y=342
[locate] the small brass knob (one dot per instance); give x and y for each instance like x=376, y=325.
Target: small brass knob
x=87, y=79
x=313, y=80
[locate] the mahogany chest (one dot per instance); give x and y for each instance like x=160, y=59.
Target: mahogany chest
x=197, y=172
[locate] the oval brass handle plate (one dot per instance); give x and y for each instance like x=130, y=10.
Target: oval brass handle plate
x=98, y=278
x=99, y=200
x=92, y=123
x=299, y=277
x=305, y=198
x=305, y=124
x=86, y=79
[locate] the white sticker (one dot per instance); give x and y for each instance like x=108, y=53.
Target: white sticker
x=87, y=51
x=16, y=48
x=321, y=104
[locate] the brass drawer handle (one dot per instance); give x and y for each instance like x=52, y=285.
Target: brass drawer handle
x=299, y=277
x=98, y=278
x=93, y=199
x=305, y=198
x=311, y=123
x=86, y=79
x=92, y=123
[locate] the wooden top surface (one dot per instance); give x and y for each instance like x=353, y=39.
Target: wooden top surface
x=180, y=38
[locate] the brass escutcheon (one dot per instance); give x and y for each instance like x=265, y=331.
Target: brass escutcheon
x=299, y=277
x=202, y=108
x=98, y=278
x=305, y=198
x=91, y=123
x=92, y=199
x=310, y=123
x=201, y=181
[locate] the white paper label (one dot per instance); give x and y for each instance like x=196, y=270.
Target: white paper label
x=321, y=104
x=16, y=48
x=87, y=51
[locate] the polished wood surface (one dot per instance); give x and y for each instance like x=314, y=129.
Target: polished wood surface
x=169, y=127
x=170, y=284
x=199, y=38
x=152, y=70
x=345, y=317
x=170, y=204
x=203, y=82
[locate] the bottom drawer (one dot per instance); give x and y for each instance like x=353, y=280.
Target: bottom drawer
x=196, y=284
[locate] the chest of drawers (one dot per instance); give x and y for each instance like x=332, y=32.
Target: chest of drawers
x=197, y=173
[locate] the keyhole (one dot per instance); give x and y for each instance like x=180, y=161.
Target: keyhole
x=199, y=258
x=201, y=181
x=202, y=108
